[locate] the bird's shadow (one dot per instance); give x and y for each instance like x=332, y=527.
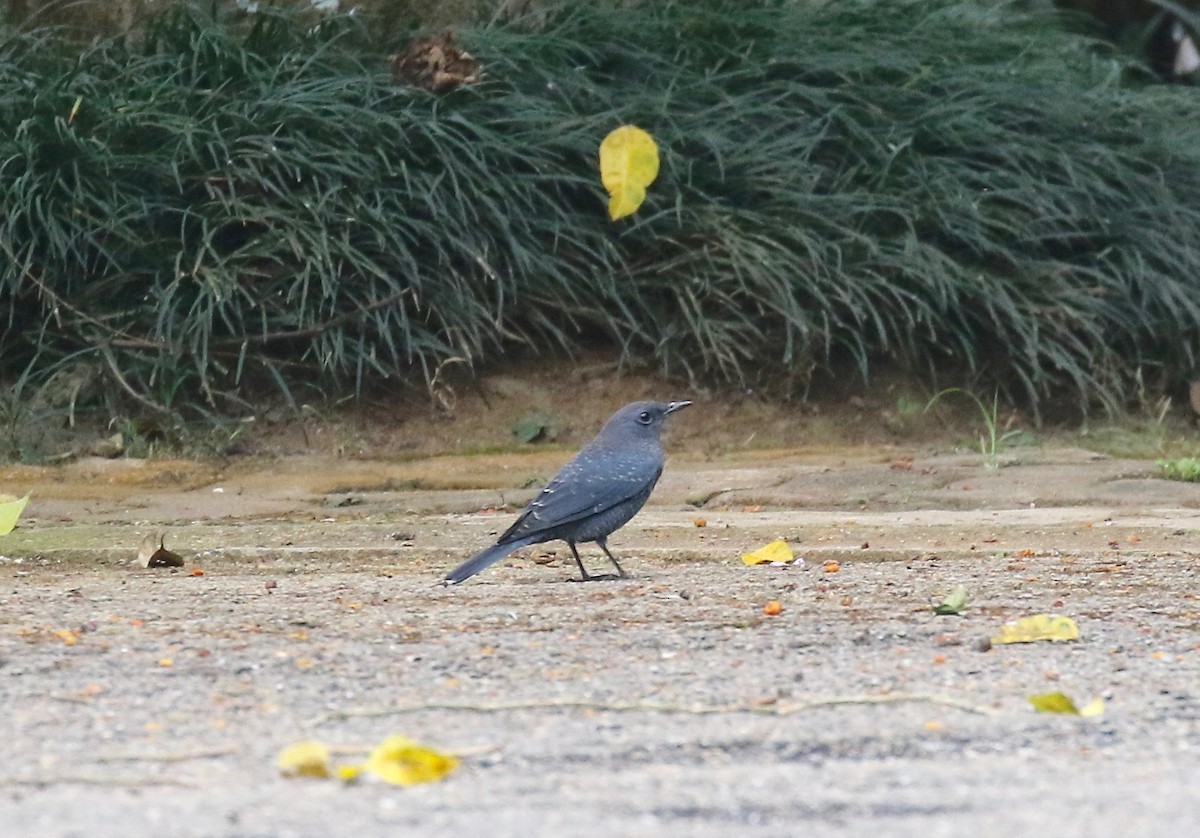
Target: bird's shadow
x=599, y=577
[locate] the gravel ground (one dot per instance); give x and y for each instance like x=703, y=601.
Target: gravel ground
x=142, y=702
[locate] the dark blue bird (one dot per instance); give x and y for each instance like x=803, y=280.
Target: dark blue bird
x=594, y=495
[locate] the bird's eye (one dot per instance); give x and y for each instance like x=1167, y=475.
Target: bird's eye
x=644, y=417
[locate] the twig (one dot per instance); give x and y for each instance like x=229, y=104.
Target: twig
x=121, y=338
x=652, y=707
x=94, y=780
x=112, y=365
x=185, y=756
x=900, y=698
x=69, y=699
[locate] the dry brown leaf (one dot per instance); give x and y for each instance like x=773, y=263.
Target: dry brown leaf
x=436, y=63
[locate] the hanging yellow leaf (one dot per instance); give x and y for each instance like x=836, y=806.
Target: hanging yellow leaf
x=1058, y=702
x=1038, y=627
x=402, y=762
x=776, y=551
x=10, y=510
x=628, y=164
x=304, y=759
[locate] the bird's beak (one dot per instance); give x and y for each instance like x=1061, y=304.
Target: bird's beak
x=674, y=406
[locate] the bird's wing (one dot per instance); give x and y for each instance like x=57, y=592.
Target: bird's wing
x=588, y=485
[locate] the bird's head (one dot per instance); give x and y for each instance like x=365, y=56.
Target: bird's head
x=641, y=419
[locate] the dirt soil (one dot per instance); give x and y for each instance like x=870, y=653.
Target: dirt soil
x=150, y=702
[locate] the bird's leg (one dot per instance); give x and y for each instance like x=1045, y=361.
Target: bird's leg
x=584, y=576
x=603, y=542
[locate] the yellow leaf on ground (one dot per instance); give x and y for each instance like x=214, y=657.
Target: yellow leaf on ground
x=1038, y=627
x=402, y=762
x=349, y=773
x=10, y=510
x=304, y=759
x=776, y=551
x=1058, y=702
x=1055, y=702
x=628, y=164
x=67, y=636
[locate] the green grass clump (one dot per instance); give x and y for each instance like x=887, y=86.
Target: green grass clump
x=961, y=187
x=1183, y=468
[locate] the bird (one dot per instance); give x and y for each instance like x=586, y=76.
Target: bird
x=593, y=495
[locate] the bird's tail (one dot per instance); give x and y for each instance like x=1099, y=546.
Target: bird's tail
x=484, y=559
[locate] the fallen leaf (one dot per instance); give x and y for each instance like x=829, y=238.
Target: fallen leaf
x=1038, y=627
x=67, y=636
x=402, y=762
x=628, y=164
x=773, y=608
x=1055, y=702
x=776, y=551
x=832, y=566
x=435, y=63
x=954, y=604
x=166, y=662
x=349, y=773
x=1058, y=702
x=10, y=510
x=197, y=572
x=151, y=556
x=304, y=759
